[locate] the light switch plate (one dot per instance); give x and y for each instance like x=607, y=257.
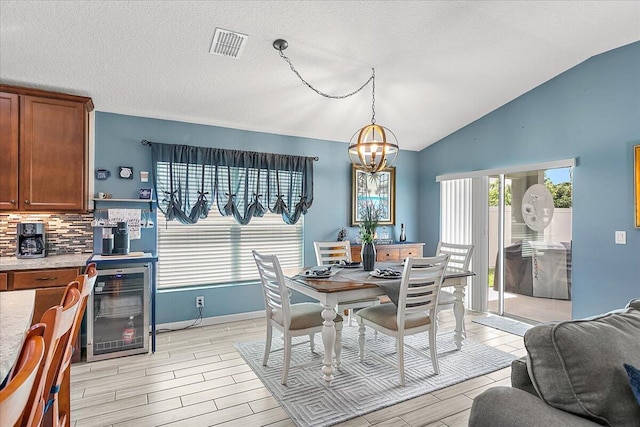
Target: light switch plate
x=621, y=237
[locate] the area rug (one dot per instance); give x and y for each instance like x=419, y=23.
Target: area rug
x=504, y=324
x=363, y=387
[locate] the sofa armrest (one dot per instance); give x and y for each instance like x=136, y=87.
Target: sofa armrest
x=508, y=407
x=520, y=376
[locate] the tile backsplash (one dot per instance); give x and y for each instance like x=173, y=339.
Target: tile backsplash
x=66, y=233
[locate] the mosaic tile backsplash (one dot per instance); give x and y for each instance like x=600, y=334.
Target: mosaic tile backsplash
x=66, y=233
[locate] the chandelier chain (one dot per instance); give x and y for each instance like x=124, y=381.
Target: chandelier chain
x=371, y=79
x=373, y=97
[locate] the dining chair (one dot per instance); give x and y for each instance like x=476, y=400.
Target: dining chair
x=86, y=283
x=62, y=356
x=58, y=321
x=293, y=320
x=459, y=258
x=415, y=312
x=22, y=379
x=328, y=253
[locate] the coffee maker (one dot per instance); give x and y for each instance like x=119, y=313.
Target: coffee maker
x=30, y=240
x=117, y=243
x=121, y=238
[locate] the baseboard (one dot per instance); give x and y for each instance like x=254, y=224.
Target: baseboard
x=216, y=320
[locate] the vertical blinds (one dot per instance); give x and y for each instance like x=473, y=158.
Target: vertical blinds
x=217, y=249
x=455, y=211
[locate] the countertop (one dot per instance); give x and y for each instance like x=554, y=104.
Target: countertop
x=16, y=310
x=53, y=261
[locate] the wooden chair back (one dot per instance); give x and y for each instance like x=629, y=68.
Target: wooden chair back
x=459, y=255
x=419, y=287
x=275, y=292
x=58, y=321
x=332, y=252
x=15, y=395
x=86, y=283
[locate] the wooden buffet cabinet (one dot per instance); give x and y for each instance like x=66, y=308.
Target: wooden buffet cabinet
x=390, y=252
x=44, y=144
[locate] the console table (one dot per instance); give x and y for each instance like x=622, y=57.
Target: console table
x=391, y=251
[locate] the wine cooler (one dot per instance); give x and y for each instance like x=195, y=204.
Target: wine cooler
x=118, y=313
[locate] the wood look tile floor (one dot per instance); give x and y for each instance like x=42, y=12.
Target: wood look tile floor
x=197, y=378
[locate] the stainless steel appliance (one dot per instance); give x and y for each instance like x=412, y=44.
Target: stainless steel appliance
x=118, y=313
x=30, y=240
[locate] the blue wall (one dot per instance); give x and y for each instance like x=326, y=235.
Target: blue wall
x=591, y=113
x=118, y=144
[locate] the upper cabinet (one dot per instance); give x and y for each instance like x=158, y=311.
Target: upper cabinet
x=46, y=137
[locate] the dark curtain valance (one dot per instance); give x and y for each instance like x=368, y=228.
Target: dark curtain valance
x=245, y=184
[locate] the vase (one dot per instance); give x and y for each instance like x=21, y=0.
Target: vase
x=368, y=255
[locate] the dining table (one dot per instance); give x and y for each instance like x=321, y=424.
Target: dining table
x=352, y=284
x=16, y=311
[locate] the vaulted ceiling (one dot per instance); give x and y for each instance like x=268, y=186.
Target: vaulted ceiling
x=439, y=64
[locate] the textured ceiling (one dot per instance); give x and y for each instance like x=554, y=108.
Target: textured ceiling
x=439, y=64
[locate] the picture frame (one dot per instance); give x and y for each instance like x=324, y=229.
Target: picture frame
x=377, y=190
x=636, y=186
x=145, y=194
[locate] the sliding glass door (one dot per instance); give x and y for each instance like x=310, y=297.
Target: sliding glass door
x=529, y=256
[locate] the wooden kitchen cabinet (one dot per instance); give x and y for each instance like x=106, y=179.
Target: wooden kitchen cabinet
x=391, y=252
x=49, y=284
x=9, y=114
x=46, y=135
x=3, y=281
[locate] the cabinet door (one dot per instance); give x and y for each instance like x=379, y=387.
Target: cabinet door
x=52, y=154
x=9, y=111
x=32, y=279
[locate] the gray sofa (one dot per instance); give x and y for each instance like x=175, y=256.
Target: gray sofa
x=573, y=375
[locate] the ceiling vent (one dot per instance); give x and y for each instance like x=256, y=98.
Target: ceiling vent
x=228, y=43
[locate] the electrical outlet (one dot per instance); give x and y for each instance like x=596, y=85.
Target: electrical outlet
x=200, y=302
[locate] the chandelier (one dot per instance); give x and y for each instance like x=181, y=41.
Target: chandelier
x=370, y=148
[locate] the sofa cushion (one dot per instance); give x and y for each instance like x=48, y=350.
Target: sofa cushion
x=577, y=366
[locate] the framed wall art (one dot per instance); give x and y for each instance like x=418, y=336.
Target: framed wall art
x=376, y=190
x=636, y=185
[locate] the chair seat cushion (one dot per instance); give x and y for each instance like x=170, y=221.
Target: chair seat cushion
x=303, y=316
x=446, y=298
x=578, y=366
x=385, y=315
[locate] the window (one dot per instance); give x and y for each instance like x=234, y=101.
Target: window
x=217, y=249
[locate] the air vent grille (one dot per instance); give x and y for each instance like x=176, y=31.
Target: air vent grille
x=228, y=43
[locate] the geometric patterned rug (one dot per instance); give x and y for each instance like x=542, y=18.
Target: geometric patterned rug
x=504, y=324
x=362, y=387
